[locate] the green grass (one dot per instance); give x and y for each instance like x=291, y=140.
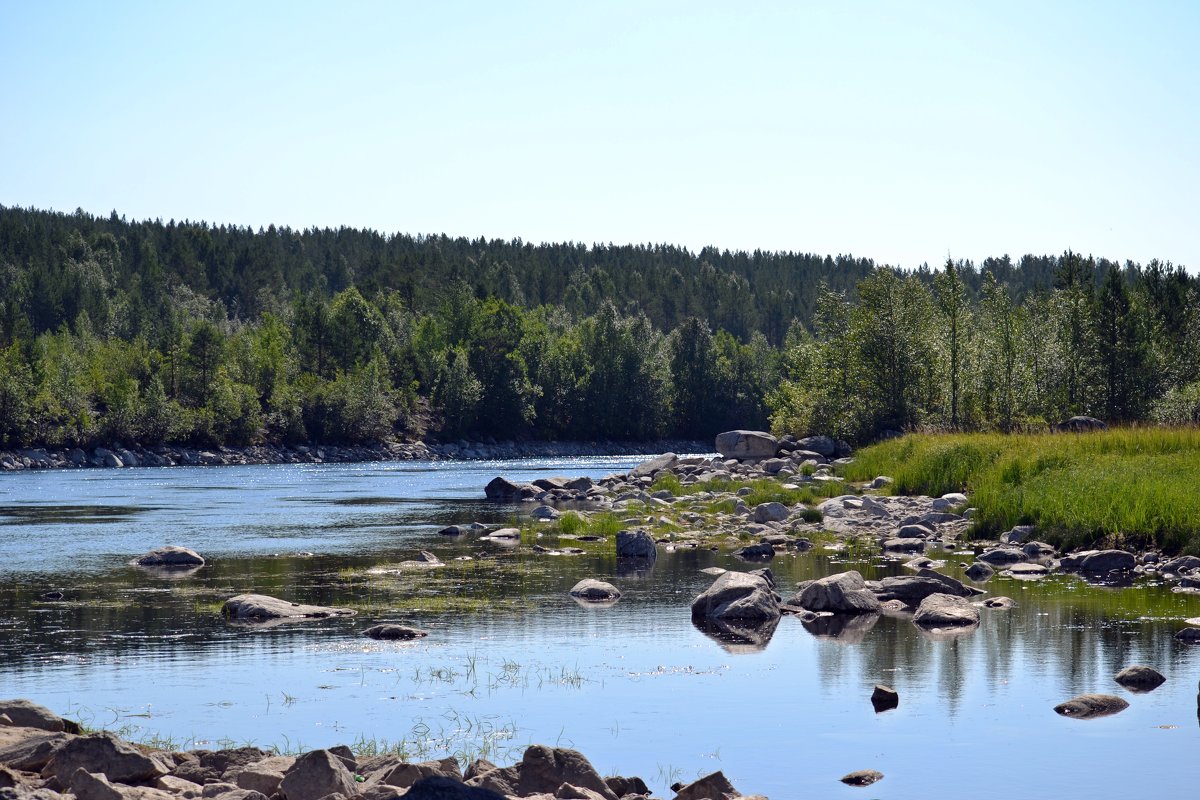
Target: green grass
x=1128, y=487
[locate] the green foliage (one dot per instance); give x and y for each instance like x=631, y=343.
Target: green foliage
x=1128, y=487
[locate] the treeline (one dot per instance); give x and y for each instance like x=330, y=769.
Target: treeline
x=911, y=354
x=191, y=333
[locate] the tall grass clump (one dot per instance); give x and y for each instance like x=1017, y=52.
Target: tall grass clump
x=1129, y=487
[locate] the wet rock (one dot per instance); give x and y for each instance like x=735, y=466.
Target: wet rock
x=737, y=596
x=104, y=754
x=1140, y=678
x=170, y=556
x=502, y=489
x=904, y=545
x=544, y=769
x=843, y=593
x=1089, y=706
x=1178, y=566
x=714, y=786
x=945, y=611
x=258, y=607
x=746, y=445
x=884, y=698
x=756, y=552
x=390, y=632
x=26, y=714
x=1189, y=635
x=980, y=571
x=1104, y=561
x=1026, y=571
x=1002, y=556
x=316, y=774
x=862, y=777
x=636, y=545
x=595, y=590
x=999, y=603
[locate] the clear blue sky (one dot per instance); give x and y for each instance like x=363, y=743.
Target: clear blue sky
x=899, y=131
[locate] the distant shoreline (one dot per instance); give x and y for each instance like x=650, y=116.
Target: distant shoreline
x=116, y=456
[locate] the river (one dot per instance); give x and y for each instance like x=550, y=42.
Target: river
x=511, y=659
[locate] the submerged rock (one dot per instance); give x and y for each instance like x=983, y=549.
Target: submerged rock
x=170, y=556
x=884, y=698
x=862, y=777
x=1089, y=706
x=389, y=632
x=259, y=607
x=595, y=590
x=945, y=611
x=1140, y=678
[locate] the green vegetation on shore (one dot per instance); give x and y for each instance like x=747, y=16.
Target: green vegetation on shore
x=1133, y=487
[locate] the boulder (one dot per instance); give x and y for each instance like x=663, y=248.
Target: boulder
x=624, y=786
x=1189, y=635
x=912, y=589
x=746, y=445
x=503, y=490
x=1180, y=565
x=824, y=445
x=442, y=788
x=170, y=556
x=316, y=774
x=914, y=532
x=390, y=632
x=756, y=552
x=542, y=770
x=945, y=611
x=1026, y=571
x=737, y=596
x=258, y=607
x=980, y=571
x=770, y=512
x=636, y=544
x=903, y=545
x=1002, y=556
x=104, y=754
x=595, y=590
x=1000, y=602
x=714, y=786
x=1017, y=535
x=1089, y=706
x=647, y=468
x=1079, y=424
x=843, y=593
x=29, y=753
x=1105, y=561
x=402, y=774
x=862, y=777
x=26, y=714
x=1140, y=678
x=884, y=698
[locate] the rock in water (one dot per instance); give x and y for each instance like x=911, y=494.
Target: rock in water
x=637, y=544
x=595, y=590
x=737, y=596
x=259, y=607
x=170, y=556
x=746, y=445
x=945, y=611
x=1140, y=678
x=862, y=777
x=1089, y=706
x=394, y=632
x=884, y=698
x=843, y=593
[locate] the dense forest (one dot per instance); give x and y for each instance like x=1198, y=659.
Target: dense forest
x=147, y=332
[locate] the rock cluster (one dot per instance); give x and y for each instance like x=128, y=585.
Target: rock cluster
x=45, y=758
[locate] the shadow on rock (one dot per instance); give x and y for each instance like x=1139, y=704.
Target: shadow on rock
x=738, y=637
x=845, y=628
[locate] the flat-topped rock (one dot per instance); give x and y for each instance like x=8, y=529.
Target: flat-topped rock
x=392, y=633
x=843, y=593
x=595, y=590
x=1089, y=706
x=945, y=611
x=259, y=607
x=170, y=556
x=746, y=445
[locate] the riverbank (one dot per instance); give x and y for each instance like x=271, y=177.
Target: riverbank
x=118, y=456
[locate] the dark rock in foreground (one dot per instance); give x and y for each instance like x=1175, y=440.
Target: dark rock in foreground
x=170, y=556
x=1140, y=678
x=884, y=698
x=636, y=545
x=390, y=632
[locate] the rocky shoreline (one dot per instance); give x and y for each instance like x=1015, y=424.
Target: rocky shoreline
x=46, y=757
x=118, y=456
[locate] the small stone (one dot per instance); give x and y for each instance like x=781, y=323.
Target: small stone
x=391, y=632
x=884, y=698
x=862, y=777
x=1140, y=678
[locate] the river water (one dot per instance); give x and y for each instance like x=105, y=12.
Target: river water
x=511, y=659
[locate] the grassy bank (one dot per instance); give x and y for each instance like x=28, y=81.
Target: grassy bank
x=1133, y=487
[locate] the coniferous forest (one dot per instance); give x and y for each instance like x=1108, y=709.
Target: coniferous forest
x=190, y=333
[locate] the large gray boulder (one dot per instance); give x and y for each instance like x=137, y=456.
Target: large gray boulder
x=1180, y=565
x=636, y=544
x=945, y=611
x=261, y=607
x=316, y=774
x=912, y=589
x=595, y=590
x=819, y=444
x=647, y=468
x=770, y=512
x=714, y=786
x=27, y=714
x=1103, y=561
x=104, y=754
x=502, y=489
x=1140, y=678
x=747, y=445
x=737, y=596
x=544, y=769
x=1089, y=706
x=170, y=556
x=1002, y=556
x=394, y=633
x=843, y=593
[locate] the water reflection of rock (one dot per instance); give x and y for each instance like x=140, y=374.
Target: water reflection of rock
x=634, y=567
x=844, y=628
x=946, y=634
x=738, y=637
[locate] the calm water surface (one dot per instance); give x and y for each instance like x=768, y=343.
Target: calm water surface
x=511, y=659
